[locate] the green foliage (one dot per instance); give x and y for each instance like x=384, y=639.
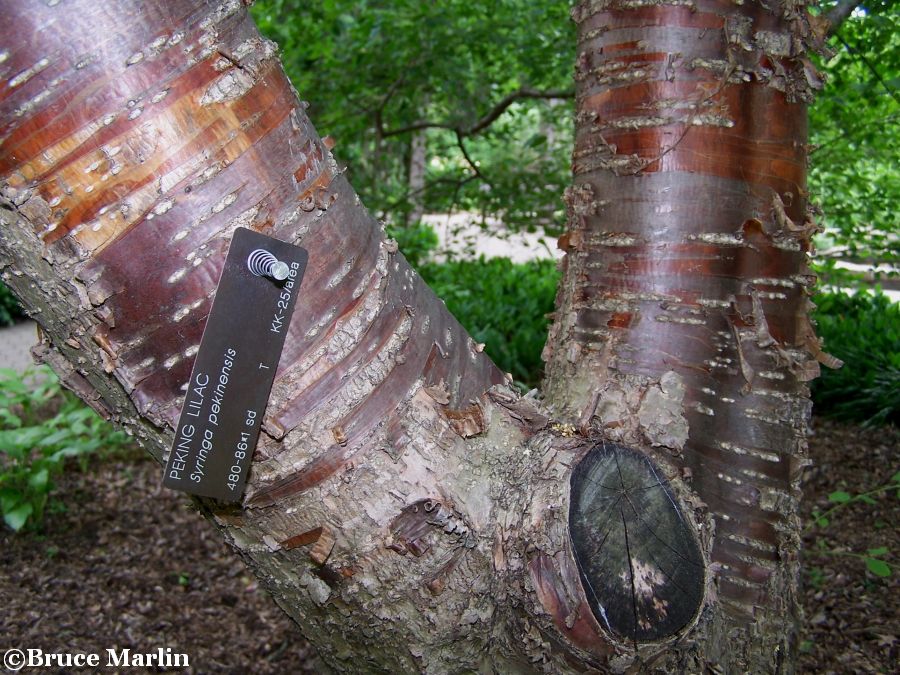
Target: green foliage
x=503, y=305
x=371, y=67
x=873, y=558
x=415, y=241
x=41, y=427
x=855, y=134
x=875, y=565
x=863, y=330
x=521, y=172
x=10, y=311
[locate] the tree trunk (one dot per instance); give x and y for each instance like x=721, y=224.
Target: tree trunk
x=682, y=325
x=416, y=184
x=404, y=506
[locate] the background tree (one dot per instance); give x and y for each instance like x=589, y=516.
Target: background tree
x=853, y=121
x=854, y=126
x=477, y=78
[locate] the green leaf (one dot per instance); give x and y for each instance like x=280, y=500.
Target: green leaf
x=840, y=497
x=39, y=480
x=9, y=374
x=17, y=517
x=56, y=438
x=822, y=522
x=9, y=497
x=878, y=567
x=9, y=419
x=875, y=552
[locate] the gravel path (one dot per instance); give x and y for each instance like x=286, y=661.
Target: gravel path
x=15, y=345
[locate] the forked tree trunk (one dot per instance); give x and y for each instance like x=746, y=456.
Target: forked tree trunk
x=404, y=506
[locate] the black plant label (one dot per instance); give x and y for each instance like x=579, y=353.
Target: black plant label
x=232, y=377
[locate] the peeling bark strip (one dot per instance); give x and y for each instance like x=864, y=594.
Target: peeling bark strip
x=144, y=155
x=687, y=256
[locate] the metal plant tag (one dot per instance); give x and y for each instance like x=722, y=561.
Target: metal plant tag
x=235, y=367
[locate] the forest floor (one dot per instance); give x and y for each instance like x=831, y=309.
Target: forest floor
x=852, y=616
x=123, y=563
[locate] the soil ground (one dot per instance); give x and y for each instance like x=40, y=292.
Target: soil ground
x=126, y=564
x=852, y=616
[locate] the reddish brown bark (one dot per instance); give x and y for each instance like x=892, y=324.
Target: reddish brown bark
x=687, y=253
x=140, y=151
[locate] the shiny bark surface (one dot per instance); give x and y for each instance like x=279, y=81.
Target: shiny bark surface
x=137, y=153
x=682, y=326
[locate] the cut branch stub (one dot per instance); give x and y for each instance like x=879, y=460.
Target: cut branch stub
x=639, y=563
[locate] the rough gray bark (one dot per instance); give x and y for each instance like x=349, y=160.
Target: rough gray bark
x=404, y=505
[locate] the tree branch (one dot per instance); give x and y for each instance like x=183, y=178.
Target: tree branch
x=849, y=132
x=501, y=107
x=839, y=13
x=872, y=69
x=465, y=153
x=457, y=184
x=487, y=119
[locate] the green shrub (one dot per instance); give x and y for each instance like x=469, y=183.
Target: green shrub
x=10, y=310
x=415, y=241
x=863, y=330
x=502, y=304
x=41, y=426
